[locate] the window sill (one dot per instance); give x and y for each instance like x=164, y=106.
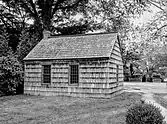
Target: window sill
x=46, y=85
x=74, y=84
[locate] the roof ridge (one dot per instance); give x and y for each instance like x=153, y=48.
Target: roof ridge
x=77, y=35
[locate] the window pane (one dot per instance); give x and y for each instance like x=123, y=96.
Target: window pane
x=74, y=74
x=46, y=73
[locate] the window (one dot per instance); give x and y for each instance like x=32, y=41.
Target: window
x=117, y=73
x=74, y=74
x=46, y=74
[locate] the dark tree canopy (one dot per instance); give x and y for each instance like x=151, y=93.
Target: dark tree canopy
x=54, y=14
x=42, y=12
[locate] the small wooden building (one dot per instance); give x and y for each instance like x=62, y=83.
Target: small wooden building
x=81, y=65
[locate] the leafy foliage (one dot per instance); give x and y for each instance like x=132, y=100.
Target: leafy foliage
x=132, y=52
x=151, y=37
x=110, y=15
x=114, y=15
x=80, y=27
x=10, y=74
x=12, y=16
x=144, y=113
x=4, y=48
x=42, y=11
x=155, y=30
x=10, y=69
x=29, y=38
x=152, y=52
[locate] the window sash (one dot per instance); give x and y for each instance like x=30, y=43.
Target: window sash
x=74, y=74
x=46, y=74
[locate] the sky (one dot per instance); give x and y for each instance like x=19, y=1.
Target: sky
x=146, y=16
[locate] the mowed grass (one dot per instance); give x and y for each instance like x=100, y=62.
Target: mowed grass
x=25, y=109
x=159, y=97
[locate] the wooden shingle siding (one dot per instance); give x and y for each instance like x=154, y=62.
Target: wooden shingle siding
x=94, y=75
x=82, y=84
x=59, y=74
x=93, y=78
x=32, y=75
x=114, y=61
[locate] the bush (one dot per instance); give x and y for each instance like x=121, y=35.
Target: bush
x=11, y=75
x=144, y=113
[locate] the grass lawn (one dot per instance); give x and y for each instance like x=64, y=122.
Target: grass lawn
x=159, y=97
x=25, y=109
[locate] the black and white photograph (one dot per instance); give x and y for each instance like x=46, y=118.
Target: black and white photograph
x=83, y=61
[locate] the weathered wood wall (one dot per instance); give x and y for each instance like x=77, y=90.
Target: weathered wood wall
x=97, y=77
x=32, y=75
x=116, y=60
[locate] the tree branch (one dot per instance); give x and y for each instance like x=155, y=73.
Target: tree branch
x=161, y=27
x=33, y=7
x=6, y=24
x=56, y=6
x=68, y=7
x=27, y=8
x=153, y=21
x=155, y=4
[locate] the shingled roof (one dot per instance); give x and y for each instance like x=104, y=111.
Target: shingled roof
x=69, y=47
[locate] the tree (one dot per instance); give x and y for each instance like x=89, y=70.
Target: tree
x=109, y=14
x=42, y=12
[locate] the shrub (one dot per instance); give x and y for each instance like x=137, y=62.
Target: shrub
x=144, y=113
x=10, y=74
